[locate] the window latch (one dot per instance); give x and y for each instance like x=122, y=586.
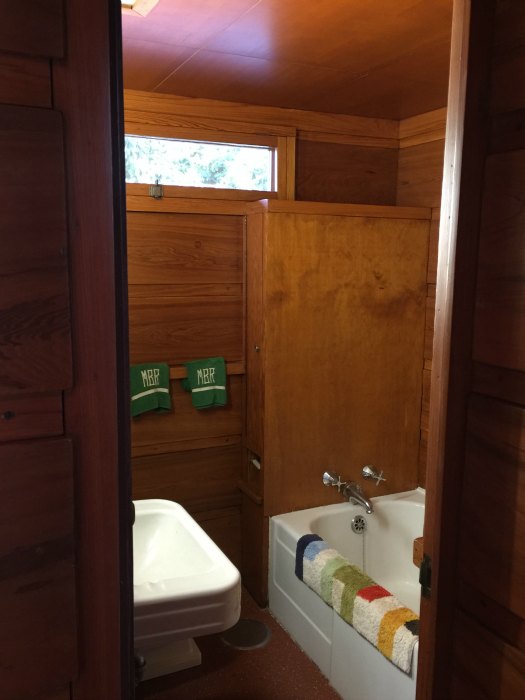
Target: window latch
x=157, y=190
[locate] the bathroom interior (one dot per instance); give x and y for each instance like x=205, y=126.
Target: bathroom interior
x=367, y=302
x=318, y=289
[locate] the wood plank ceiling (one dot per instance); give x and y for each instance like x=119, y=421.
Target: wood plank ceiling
x=375, y=58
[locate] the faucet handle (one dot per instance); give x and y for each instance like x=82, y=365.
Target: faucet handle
x=333, y=479
x=370, y=472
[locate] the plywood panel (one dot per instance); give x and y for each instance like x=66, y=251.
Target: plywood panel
x=184, y=248
x=499, y=334
x=37, y=587
x=162, y=432
x=343, y=353
x=495, y=476
x=332, y=172
x=34, y=300
x=200, y=480
x=33, y=27
x=24, y=81
x=420, y=175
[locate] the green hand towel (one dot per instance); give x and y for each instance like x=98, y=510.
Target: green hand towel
x=207, y=382
x=150, y=388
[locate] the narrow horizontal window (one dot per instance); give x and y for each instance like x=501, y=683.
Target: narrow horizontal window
x=200, y=163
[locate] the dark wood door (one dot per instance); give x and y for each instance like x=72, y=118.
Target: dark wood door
x=473, y=625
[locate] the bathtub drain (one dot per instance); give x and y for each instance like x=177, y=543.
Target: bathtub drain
x=358, y=524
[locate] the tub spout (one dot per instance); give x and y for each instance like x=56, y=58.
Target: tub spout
x=355, y=495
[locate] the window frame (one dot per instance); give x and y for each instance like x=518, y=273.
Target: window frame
x=281, y=138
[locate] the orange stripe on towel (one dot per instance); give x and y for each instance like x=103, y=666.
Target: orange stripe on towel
x=391, y=622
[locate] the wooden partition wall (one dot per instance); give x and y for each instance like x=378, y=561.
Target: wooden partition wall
x=186, y=302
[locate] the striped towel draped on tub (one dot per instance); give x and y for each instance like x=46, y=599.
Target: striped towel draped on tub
x=373, y=612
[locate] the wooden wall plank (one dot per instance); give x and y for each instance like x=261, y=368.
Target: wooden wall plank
x=225, y=529
x=484, y=666
x=34, y=299
x=24, y=81
x=158, y=103
x=33, y=27
x=26, y=417
x=499, y=382
x=177, y=329
x=184, y=422
x=494, y=476
x=499, y=335
x=200, y=480
x=507, y=131
x=328, y=172
x=184, y=248
x=37, y=587
x=420, y=174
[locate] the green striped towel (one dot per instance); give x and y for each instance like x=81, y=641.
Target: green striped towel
x=150, y=388
x=207, y=382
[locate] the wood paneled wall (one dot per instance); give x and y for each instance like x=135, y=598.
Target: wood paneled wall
x=186, y=292
x=419, y=181
x=61, y=580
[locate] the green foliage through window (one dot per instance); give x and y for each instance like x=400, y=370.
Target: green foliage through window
x=198, y=163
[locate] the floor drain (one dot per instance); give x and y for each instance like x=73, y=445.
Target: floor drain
x=247, y=634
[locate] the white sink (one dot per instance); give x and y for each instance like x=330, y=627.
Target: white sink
x=184, y=585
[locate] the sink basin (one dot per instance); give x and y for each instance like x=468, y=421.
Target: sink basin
x=184, y=585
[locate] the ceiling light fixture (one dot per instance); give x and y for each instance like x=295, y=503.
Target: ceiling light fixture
x=140, y=7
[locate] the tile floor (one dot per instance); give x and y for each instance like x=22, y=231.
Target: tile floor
x=278, y=671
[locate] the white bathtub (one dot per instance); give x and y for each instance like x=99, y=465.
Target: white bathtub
x=354, y=667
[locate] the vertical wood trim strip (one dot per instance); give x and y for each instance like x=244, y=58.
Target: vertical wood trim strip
x=282, y=167
x=291, y=143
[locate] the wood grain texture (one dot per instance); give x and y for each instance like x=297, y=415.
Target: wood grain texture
x=83, y=93
x=507, y=93
x=24, y=81
x=420, y=175
x=26, y=417
x=500, y=309
x=33, y=28
x=422, y=126
x=191, y=107
x=507, y=131
x=254, y=554
x=175, y=329
x=184, y=248
x=37, y=588
x=499, y=382
x=484, y=667
x=224, y=528
x=341, y=388
x=467, y=128
x=329, y=172
x=495, y=454
x=35, y=343
x=200, y=480
x=254, y=333
x=184, y=422
x=275, y=206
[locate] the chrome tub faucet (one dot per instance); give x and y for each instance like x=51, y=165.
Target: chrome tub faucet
x=350, y=489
